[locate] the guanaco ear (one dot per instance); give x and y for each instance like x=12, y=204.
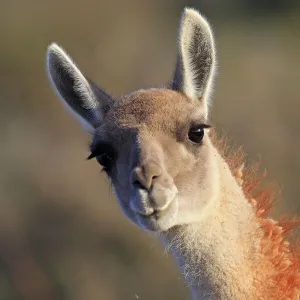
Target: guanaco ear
x=87, y=101
x=196, y=57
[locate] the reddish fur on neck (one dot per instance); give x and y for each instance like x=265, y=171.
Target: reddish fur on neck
x=278, y=276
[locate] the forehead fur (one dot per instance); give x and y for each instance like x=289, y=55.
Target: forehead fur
x=156, y=109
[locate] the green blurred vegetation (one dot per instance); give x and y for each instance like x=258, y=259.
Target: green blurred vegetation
x=62, y=235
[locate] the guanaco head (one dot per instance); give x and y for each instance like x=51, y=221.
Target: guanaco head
x=153, y=144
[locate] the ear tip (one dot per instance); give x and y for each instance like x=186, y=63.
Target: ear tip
x=54, y=49
x=194, y=16
x=190, y=10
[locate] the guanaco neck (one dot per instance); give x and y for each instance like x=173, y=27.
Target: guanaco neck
x=219, y=255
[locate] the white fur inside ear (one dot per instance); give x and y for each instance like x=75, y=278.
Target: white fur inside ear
x=81, y=86
x=190, y=21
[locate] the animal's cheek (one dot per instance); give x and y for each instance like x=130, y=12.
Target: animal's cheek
x=192, y=172
x=179, y=160
x=122, y=195
x=120, y=175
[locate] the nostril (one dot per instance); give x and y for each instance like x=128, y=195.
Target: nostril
x=143, y=177
x=145, y=185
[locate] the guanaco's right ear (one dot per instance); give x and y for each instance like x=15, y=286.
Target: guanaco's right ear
x=196, y=58
x=88, y=102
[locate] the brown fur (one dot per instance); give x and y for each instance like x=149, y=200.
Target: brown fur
x=279, y=276
x=138, y=107
x=143, y=128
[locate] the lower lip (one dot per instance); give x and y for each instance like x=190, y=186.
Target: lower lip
x=155, y=221
x=158, y=214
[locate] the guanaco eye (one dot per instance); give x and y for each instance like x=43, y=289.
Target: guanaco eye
x=196, y=133
x=104, y=156
x=104, y=160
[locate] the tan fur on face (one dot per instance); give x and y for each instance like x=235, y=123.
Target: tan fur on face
x=158, y=109
x=153, y=125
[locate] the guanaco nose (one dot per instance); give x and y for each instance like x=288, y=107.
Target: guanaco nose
x=144, y=176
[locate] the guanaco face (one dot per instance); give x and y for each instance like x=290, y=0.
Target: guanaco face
x=153, y=144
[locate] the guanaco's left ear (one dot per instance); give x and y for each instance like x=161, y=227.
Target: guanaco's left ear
x=87, y=102
x=196, y=57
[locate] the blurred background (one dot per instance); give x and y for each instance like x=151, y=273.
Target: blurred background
x=62, y=235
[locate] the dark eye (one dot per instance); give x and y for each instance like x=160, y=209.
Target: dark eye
x=196, y=134
x=105, y=160
x=104, y=155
